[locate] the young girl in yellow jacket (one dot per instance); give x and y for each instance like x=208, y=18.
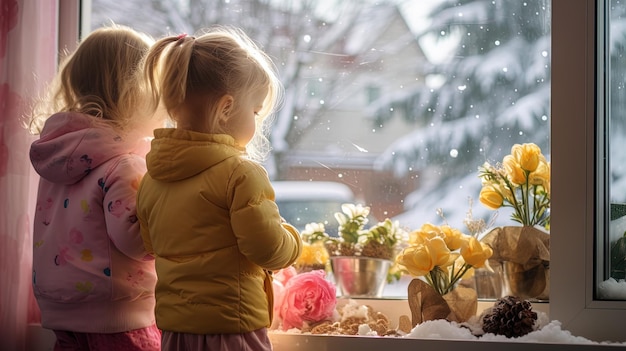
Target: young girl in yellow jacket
x=206, y=207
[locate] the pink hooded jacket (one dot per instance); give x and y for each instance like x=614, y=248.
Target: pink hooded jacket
x=90, y=269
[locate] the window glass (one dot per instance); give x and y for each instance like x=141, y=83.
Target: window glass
x=401, y=101
x=614, y=249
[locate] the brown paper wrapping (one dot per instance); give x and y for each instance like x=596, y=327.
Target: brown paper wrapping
x=524, y=245
x=524, y=253
x=426, y=304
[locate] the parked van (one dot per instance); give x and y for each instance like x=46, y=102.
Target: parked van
x=303, y=202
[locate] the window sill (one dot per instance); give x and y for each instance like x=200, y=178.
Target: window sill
x=393, y=309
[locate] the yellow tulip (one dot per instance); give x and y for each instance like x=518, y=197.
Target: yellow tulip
x=430, y=230
x=453, y=237
x=526, y=155
x=425, y=233
x=514, y=170
x=439, y=251
x=541, y=176
x=490, y=197
x=417, y=260
x=475, y=253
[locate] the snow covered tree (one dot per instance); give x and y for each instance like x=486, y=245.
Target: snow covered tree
x=493, y=91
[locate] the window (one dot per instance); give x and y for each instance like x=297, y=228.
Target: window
x=440, y=99
x=563, y=122
x=399, y=100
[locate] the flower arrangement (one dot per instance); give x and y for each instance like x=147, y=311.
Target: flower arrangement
x=379, y=241
x=442, y=255
x=301, y=300
x=522, y=182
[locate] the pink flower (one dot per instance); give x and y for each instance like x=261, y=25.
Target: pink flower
x=283, y=275
x=280, y=279
x=306, y=297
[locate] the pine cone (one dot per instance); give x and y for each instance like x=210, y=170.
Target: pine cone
x=510, y=316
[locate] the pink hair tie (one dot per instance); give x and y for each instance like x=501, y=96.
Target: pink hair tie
x=180, y=36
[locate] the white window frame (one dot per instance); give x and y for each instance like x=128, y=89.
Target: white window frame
x=574, y=146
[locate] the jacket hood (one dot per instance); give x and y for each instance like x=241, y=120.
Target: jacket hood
x=72, y=144
x=178, y=154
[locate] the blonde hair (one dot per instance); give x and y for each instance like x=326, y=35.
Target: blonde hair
x=100, y=78
x=188, y=76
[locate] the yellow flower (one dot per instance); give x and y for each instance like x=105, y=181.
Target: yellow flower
x=541, y=176
x=425, y=233
x=522, y=182
x=312, y=254
x=416, y=260
x=475, y=253
x=453, y=237
x=490, y=197
x=439, y=252
x=514, y=170
x=526, y=155
x=443, y=256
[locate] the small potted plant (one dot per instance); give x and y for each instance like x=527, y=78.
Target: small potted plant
x=362, y=259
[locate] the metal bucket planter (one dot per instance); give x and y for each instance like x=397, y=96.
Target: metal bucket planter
x=358, y=276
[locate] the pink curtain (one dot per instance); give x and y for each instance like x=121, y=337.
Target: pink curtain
x=28, y=52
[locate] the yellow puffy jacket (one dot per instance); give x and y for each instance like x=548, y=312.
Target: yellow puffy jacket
x=208, y=216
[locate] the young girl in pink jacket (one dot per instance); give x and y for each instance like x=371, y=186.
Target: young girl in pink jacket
x=92, y=277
